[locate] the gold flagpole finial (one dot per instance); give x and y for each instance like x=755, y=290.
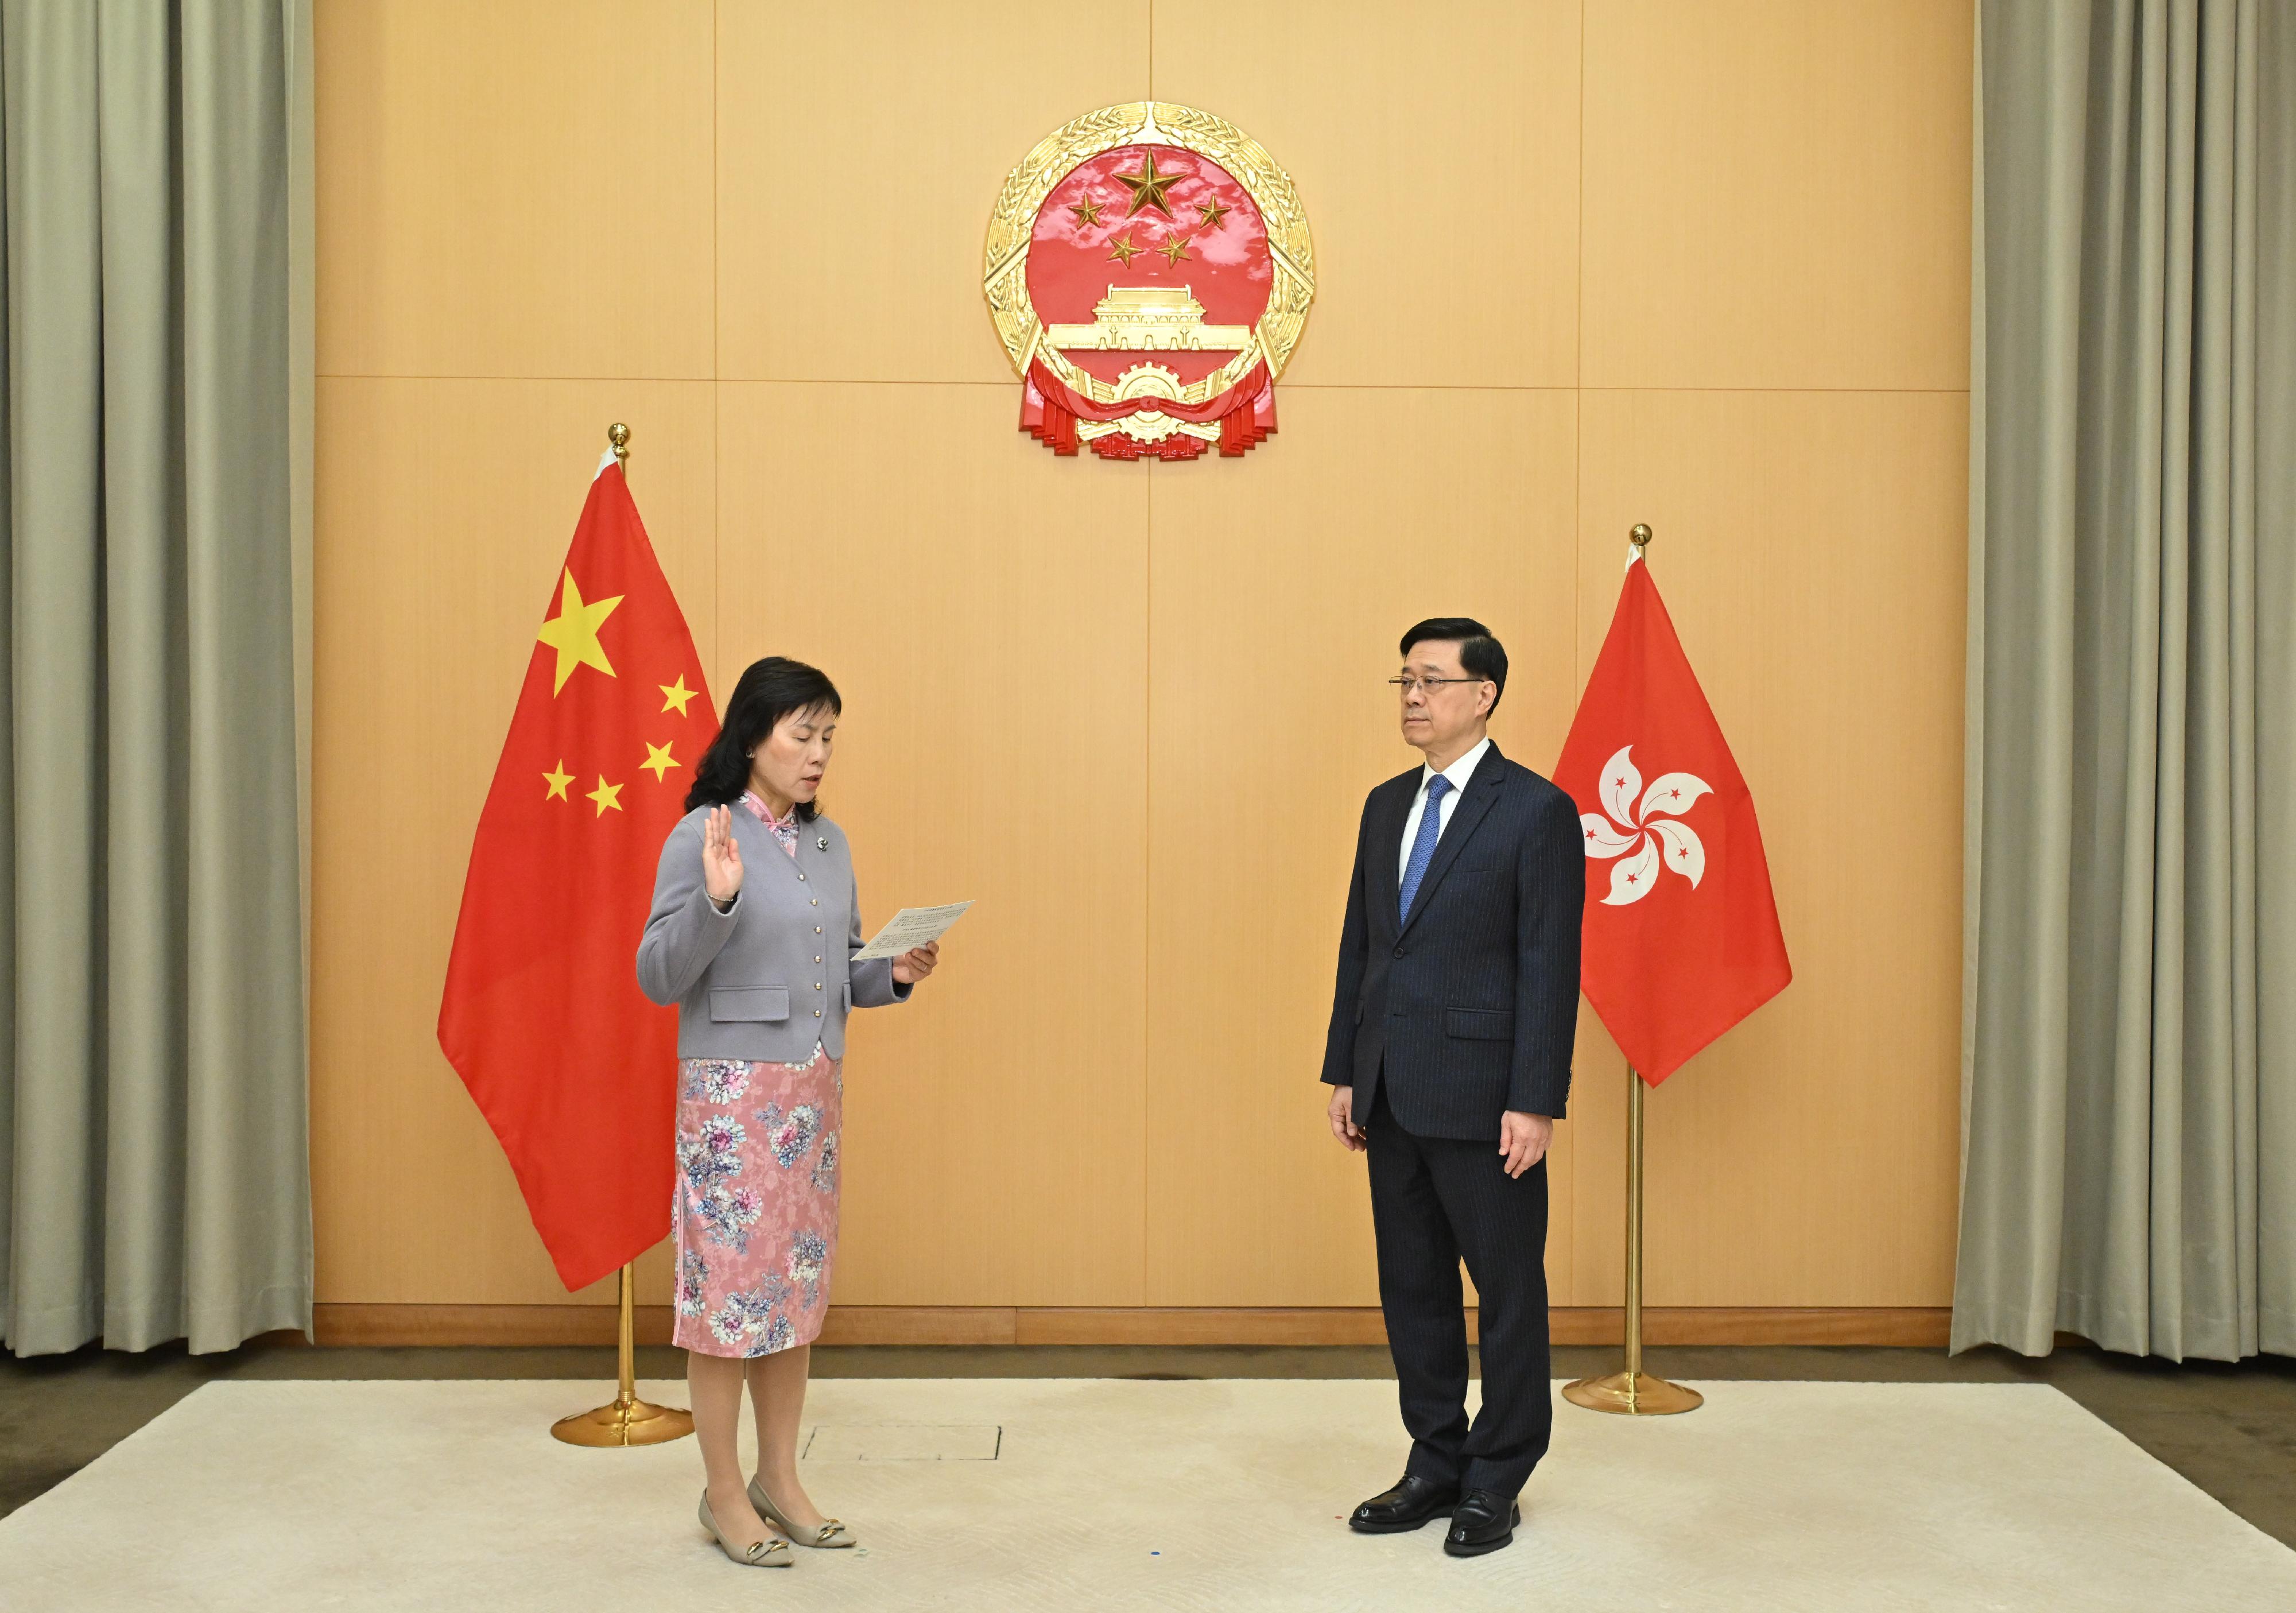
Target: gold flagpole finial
x=1639, y=535
x=619, y=435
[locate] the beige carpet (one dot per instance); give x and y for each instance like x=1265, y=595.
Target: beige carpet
x=1080, y=1495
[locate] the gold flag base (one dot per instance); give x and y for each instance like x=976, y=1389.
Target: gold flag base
x=1633, y=1395
x=625, y=1420
x=634, y=1421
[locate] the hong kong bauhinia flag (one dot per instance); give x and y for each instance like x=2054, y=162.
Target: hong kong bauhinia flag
x=542, y=1017
x=1682, y=938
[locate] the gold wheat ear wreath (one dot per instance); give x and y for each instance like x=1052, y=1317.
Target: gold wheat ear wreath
x=1011, y=225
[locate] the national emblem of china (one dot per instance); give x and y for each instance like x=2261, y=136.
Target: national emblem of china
x=1149, y=271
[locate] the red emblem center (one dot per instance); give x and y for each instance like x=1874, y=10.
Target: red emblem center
x=1126, y=268
x=1149, y=270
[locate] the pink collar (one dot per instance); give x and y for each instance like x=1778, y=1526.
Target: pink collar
x=764, y=814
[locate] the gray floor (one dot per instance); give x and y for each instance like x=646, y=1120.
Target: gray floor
x=2231, y=1429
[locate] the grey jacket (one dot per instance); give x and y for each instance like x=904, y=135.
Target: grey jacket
x=764, y=980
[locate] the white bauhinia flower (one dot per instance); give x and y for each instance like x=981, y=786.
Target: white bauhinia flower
x=1647, y=831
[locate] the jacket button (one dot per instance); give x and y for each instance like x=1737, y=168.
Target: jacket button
x=817, y=929
x=816, y=984
x=816, y=901
x=800, y=879
x=1398, y=952
x=816, y=1014
x=816, y=959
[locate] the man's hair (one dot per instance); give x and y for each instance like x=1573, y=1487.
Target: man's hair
x=1479, y=653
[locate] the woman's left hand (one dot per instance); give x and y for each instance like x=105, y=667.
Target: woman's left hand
x=914, y=964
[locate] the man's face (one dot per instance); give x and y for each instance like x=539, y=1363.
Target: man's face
x=1442, y=703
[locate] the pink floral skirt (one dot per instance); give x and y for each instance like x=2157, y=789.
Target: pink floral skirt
x=757, y=1202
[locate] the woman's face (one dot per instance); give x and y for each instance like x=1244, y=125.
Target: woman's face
x=789, y=762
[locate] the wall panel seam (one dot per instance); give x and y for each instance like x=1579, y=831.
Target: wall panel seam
x=1304, y=386
x=716, y=378
x=1578, y=551
x=1148, y=815
x=610, y=381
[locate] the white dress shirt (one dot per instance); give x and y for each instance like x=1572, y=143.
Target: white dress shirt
x=1458, y=773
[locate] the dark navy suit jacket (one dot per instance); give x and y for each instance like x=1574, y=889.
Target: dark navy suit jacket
x=1469, y=1008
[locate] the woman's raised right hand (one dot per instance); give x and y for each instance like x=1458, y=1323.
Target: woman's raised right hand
x=721, y=856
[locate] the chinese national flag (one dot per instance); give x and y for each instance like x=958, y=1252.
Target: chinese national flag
x=1681, y=938
x=542, y=1017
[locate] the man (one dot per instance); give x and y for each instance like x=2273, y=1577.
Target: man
x=1449, y=1061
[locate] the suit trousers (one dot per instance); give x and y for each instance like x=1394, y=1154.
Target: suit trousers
x=1435, y=1200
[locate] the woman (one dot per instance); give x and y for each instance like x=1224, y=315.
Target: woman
x=754, y=923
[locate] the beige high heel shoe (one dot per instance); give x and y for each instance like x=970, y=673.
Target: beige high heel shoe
x=831, y=1535
x=765, y=1554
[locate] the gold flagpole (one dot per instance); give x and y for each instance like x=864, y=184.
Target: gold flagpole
x=1634, y=1392
x=627, y=1421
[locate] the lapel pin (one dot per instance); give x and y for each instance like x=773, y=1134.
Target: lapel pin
x=822, y=842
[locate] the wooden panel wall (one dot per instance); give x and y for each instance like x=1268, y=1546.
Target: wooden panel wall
x=1702, y=263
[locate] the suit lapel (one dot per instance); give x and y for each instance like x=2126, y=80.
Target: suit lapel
x=1386, y=852
x=1482, y=792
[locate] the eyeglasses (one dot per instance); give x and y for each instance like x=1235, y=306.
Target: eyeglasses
x=1426, y=685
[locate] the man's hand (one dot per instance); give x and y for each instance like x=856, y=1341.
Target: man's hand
x=1343, y=1119
x=1522, y=1139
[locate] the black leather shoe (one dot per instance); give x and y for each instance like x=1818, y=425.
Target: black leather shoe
x=1411, y=1503
x=1484, y=1521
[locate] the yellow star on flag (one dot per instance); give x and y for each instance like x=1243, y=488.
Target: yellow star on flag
x=674, y=696
x=573, y=633
x=658, y=758
x=557, y=778
x=606, y=795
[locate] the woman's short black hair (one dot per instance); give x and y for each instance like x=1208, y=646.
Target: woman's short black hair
x=1479, y=653
x=769, y=691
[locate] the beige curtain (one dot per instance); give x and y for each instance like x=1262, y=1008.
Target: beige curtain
x=154, y=550
x=2130, y=1169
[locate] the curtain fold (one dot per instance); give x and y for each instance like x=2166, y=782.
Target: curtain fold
x=154, y=1179
x=2129, y=1152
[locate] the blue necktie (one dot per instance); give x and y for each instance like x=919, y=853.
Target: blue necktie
x=1422, y=849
